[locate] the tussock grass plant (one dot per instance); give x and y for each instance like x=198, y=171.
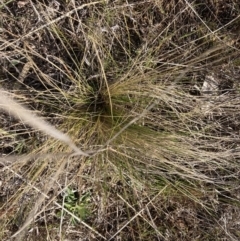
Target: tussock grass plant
x=113, y=101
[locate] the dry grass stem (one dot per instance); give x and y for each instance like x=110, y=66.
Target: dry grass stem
x=28, y=117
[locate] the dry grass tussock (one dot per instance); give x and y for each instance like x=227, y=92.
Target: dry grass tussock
x=119, y=120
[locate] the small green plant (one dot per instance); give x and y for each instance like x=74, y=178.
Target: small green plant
x=76, y=205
